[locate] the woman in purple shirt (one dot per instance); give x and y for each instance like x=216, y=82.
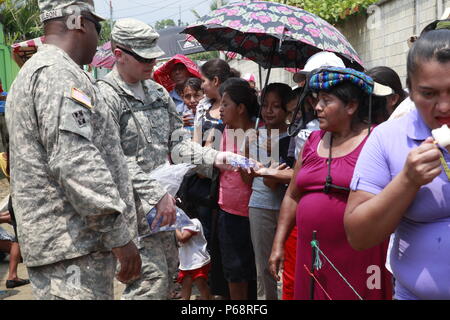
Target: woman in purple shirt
x=399, y=184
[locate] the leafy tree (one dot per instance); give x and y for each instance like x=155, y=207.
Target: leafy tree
x=162, y=24
x=204, y=56
x=330, y=10
x=20, y=20
x=105, y=35
x=212, y=7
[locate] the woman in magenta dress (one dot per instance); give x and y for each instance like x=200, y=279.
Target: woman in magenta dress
x=317, y=197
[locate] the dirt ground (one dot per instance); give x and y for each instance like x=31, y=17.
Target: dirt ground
x=24, y=292
x=4, y=188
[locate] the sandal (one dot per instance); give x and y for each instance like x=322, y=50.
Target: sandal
x=16, y=283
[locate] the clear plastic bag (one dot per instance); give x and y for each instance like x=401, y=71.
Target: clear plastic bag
x=239, y=161
x=182, y=220
x=171, y=177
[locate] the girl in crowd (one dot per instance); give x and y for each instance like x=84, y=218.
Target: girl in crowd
x=213, y=74
x=239, y=105
x=401, y=180
x=317, y=196
x=390, y=78
x=173, y=74
x=192, y=94
x=269, y=186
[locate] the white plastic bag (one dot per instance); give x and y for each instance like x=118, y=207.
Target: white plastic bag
x=171, y=175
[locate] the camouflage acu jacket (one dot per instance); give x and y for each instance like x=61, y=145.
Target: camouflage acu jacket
x=152, y=131
x=70, y=186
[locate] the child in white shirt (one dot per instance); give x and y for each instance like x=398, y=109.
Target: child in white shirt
x=195, y=260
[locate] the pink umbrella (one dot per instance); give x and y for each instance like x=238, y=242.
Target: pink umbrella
x=104, y=57
x=22, y=51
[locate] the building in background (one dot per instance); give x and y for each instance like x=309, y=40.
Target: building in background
x=380, y=37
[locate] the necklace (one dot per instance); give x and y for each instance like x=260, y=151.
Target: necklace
x=329, y=180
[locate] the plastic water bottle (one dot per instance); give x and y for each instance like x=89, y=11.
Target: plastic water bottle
x=191, y=116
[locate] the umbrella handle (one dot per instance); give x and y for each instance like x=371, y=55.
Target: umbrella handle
x=263, y=97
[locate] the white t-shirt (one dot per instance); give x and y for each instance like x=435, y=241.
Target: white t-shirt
x=193, y=253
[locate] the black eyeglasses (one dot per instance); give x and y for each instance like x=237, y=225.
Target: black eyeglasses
x=98, y=26
x=137, y=57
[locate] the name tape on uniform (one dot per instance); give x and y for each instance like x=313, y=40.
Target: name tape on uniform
x=57, y=13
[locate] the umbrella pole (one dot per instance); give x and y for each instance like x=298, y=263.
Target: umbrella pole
x=272, y=54
x=263, y=97
x=260, y=76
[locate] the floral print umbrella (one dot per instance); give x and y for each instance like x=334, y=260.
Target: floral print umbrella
x=271, y=34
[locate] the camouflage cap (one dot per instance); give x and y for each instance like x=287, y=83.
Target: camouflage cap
x=138, y=36
x=51, y=9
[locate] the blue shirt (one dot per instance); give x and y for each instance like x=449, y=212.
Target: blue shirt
x=179, y=103
x=419, y=258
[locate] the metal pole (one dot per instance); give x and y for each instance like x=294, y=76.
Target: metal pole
x=260, y=77
x=110, y=14
x=313, y=257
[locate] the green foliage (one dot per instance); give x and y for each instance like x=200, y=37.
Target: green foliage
x=20, y=20
x=105, y=35
x=204, y=56
x=213, y=5
x=333, y=11
x=162, y=24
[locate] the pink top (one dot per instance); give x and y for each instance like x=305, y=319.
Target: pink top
x=324, y=213
x=234, y=193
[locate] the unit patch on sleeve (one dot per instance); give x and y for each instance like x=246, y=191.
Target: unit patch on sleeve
x=79, y=118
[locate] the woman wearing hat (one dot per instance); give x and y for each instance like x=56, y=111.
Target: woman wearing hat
x=173, y=74
x=317, y=197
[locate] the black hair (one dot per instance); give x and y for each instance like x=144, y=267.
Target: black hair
x=231, y=81
x=432, y=26
x=295, y=94
x=216, y=68
x=281, y=89
x=194, y=83
x=388, y=77
x=235, y=73
x=244, y=94
x=432, y=45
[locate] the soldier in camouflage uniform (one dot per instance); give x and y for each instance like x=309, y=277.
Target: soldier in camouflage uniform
x=70, y=189
x=151, y=130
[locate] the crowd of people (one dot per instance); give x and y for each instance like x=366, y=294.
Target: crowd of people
x=343, y=193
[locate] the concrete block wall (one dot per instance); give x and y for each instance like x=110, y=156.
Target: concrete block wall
x=276, y=74
x=385, y=42
x=379, y=44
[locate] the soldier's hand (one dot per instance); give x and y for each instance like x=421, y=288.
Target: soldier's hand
x=222, y=161
x=165, y=211
x=130, y=262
